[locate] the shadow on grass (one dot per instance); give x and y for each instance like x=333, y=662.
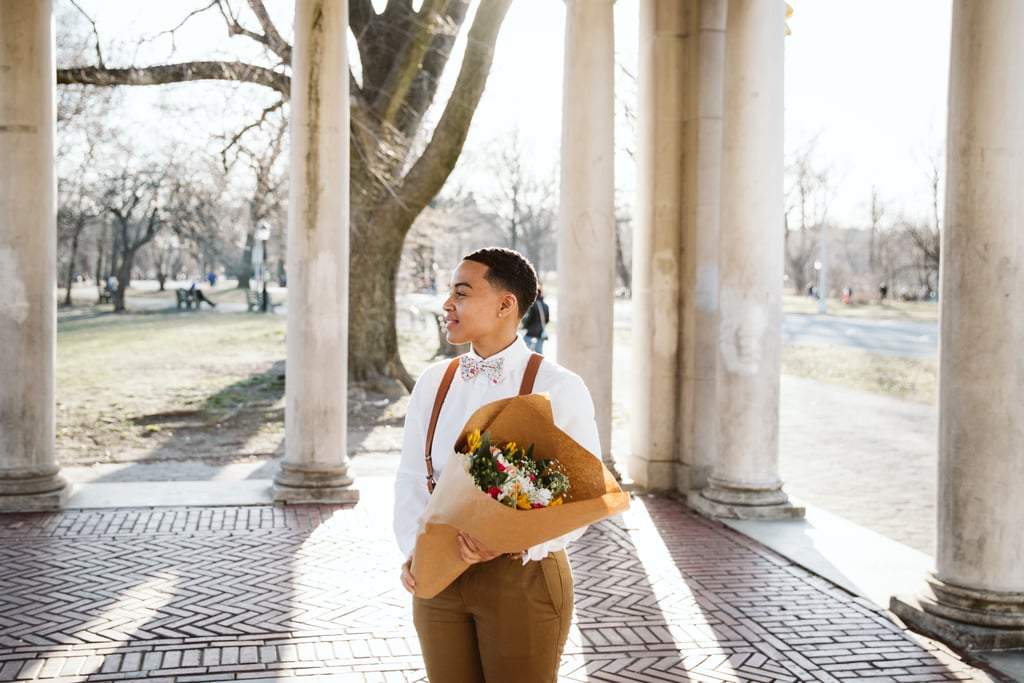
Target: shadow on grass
x=220, y=430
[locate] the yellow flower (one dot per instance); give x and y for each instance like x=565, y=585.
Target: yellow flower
x=473, y=440
x=523, y=501
x=556, y=501
x=510, y=447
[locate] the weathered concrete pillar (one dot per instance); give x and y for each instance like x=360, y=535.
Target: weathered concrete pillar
x=745, y=480
x=586, y=216
x=29, y=475
x=315, y=468
x=675, y=251
x=976, y=597
x=657, y=237
x=705, y=63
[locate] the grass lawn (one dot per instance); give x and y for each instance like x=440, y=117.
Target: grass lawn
x=214, y=380
x=126, y=382
x=912, y=379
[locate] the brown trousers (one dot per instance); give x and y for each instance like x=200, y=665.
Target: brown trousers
x=500, y=621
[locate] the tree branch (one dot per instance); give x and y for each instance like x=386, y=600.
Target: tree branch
x=271, y=37
x=427, y=176
x=95, y=32
x=422, y=92
x=236, y=138
x=406, y=66
x=162, y=74
x=360, y=14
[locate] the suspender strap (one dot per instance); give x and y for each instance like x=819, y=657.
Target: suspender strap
x=531, y=374
x=532, y=366
x=442, y=391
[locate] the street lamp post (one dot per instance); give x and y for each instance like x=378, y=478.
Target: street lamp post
x=262, y=235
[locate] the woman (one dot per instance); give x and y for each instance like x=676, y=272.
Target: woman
x=507, y=617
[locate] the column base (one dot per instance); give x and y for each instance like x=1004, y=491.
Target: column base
x=730, y=502
x=38, y=492
x=299, y=484
x=992, y=621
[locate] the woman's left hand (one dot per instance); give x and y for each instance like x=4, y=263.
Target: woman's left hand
x=473, y=551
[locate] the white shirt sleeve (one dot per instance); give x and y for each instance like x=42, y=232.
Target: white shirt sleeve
x=411, y=495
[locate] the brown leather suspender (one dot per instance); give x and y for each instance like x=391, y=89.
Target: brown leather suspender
x=442, y=391
x=532, y=366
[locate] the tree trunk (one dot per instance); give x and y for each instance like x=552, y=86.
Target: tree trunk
x=372, y=333
x=71, y=265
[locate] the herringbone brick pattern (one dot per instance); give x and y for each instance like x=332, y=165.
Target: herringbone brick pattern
x=235, y=593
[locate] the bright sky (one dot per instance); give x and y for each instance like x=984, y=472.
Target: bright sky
x=866, y=77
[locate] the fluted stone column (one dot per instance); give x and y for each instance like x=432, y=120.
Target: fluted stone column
x=976, y=596
x=315, y=467
x=705, y=60
x=29, y=475
x=586, y=217
x=745, y=480
x=675, y=251
x=657, y=239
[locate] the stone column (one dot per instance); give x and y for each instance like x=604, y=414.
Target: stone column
x=29, y=475
x=745, y=480
x=705, y=64
x=657, y=244
x=315, y=468
x=976, y=596
x=586, y=216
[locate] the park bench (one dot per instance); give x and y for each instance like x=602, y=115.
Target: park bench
x=186, y=298
x=254, y=300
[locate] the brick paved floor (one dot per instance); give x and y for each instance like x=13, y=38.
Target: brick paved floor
x=276, y=593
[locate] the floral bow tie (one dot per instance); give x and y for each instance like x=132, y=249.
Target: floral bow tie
x=493, y=369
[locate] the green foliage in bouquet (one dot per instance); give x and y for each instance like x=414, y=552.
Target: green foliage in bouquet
x=512, y=476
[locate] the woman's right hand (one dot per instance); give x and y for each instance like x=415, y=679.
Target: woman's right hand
x=408, y=583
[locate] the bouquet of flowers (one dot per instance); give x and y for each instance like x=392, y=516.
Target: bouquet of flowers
x=463, y=499
x=511, y=475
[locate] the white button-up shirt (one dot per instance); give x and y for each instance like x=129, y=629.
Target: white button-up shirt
x=571, y=406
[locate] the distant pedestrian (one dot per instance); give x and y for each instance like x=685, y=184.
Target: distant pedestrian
x=198, y=295
x=883, y=290
x=535, y=323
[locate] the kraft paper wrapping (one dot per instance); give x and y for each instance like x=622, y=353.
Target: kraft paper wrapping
x=458, y=505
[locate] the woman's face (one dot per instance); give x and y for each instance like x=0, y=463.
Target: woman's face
x=477, y=312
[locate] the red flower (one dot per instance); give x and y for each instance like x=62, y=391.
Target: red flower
x=494, y=492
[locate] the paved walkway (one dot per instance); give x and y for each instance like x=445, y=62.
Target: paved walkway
x=266, y=593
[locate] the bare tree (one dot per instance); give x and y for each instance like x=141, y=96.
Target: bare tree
x=135, y=200
x=806, y=201
x=926, y=235
x=77, y=209
x=524, y=203
x=402, y=53
x=623, y=228
x=877, y=213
